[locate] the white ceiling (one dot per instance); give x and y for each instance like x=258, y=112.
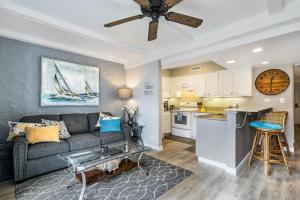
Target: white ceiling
x=279, y=50
x=77, y=26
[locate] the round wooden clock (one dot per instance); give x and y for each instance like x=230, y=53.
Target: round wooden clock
x=272, y=82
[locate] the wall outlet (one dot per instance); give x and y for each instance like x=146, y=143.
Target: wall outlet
x=267, y=100
x=282, y=100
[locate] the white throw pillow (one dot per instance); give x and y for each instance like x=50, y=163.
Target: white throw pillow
x=102, y=116
x=63, y=131
x=17, y=129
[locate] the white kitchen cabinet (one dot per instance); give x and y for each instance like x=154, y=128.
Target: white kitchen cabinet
x=200, y=85
x=235, y=83
x=181, y=84
x=212, y=85
x=166, y=87
x=176, y=84
x=226, y=83
x=166, y=123
x=243, y=82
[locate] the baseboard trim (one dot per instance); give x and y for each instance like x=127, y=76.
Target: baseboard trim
x=155, y=147
x=211, y=162
x=230, y=170
x=243, y=163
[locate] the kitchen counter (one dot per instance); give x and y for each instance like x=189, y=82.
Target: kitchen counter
x=210, y=116
x=222, y=141
x=252, y=109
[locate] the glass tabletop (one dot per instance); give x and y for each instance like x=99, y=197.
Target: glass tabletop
x=84, y=159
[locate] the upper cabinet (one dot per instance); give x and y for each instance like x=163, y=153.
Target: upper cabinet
x=166, y=87
x=225, y=83
x=243, y=82
x=236, y=82
x=212, y=85
x=182, y=84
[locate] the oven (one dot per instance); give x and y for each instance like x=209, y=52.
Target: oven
x=182, y=120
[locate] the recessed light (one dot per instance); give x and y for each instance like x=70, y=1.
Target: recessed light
x=257, y=50
x=231, y=61
x=265, y=62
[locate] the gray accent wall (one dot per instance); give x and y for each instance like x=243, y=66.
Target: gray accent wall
x=20, y=79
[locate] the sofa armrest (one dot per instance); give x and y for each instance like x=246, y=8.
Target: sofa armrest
x=19, y=153
x=126, y=129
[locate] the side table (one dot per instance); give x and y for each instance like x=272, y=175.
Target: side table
x=136, y=134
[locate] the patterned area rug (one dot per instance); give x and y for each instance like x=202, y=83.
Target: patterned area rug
x=132, y=185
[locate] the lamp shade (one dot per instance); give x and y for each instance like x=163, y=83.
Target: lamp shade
x=124, y=93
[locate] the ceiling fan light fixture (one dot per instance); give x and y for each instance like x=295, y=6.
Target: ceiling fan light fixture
x=155, y=9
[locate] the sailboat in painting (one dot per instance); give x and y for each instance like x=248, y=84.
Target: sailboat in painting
x=69, y=84
x=62, y=88
x=89, y=90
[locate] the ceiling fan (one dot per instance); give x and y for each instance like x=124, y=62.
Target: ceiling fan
x=155, y=9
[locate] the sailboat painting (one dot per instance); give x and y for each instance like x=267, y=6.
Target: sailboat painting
x=69, y=84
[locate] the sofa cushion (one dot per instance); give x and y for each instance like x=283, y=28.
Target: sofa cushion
x=47, y=149
x=83, y=141
x=38, y=118
x=76, y=123
x=93, y=119
x=110, y=137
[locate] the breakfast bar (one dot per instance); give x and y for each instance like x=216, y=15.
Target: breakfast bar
x=225, y=140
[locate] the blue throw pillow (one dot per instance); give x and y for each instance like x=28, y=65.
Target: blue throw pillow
x=110, y=125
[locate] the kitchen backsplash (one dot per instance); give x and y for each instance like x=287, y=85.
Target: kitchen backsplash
x=213, y=102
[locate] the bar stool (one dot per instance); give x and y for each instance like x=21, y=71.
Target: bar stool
x=269, y=140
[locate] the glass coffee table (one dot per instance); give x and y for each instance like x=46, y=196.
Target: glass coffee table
x=84, y=163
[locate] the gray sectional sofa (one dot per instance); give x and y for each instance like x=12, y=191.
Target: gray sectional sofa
x=32, y=160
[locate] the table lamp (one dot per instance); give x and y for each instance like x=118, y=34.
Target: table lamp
x=124, y=93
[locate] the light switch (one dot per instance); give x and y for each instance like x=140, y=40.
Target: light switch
x=282, y=100
x=267, y=100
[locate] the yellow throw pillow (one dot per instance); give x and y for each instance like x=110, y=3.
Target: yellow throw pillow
x=42, y=134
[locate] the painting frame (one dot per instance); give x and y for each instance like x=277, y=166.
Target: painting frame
x=70, y=103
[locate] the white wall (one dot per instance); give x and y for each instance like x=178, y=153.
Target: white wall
x=149, y=105
x=288, y=95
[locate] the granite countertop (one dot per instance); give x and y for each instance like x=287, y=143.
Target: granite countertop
x=218, y=117
x=252, y=109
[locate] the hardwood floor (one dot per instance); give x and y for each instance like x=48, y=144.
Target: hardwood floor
x=209, y=182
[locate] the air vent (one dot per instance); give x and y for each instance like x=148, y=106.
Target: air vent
x=195, y=68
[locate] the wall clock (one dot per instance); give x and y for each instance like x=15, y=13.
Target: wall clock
x=272, y=82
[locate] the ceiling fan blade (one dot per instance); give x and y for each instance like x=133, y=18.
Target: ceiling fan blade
x=172, y=3
x=121, y=21
x=153, y=28
x=143, y=3
x=184, y=19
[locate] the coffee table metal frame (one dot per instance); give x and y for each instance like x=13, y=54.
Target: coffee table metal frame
x=73, y=159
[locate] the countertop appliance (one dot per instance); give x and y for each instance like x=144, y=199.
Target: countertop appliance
x=182, y=119
x=166, y=105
